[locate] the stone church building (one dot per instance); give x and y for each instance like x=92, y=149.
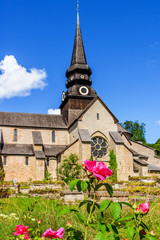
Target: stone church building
x=31, y=143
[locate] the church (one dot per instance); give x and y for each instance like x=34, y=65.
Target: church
x=32, y=143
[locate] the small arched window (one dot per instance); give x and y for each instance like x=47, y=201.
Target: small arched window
x=53, y=136
x=15, y=135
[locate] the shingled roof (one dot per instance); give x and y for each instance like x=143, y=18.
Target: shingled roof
x=37, y=138
x=53, y=150
x=116, y=137
x=32, y=120
x=17, y=149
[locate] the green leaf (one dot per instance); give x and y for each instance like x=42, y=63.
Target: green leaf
x=102, y=227
x=126, y=203
x=79, y=186
x=85, y=202
x=101, y=236
x=73, y=184
x=125, y=218
x=80, y=217
x=116, y=210
x=64, y=211
x=84, y=185
x=130, y=223
x=110, y=238
x=66, y=180
x=104, y=204
x=109, y=189
x=150, y=237
x=130, y=232
x=99, y=186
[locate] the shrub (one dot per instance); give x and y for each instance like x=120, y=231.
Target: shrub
x=113, y=165
x=48, y=176
x=70, y=167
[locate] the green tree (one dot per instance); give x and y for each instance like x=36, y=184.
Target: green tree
x=137, y=129
x=70, y=167
x=113, y=165
x=156, y=146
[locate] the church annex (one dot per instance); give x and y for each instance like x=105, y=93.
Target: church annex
x=30, y=143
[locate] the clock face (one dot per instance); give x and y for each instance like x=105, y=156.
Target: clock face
x=63, y=96
x=83, y=90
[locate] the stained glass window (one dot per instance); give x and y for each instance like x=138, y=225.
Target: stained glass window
x=99, y=147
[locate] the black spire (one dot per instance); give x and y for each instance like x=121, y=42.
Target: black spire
x=78, y=55
x=78, y=72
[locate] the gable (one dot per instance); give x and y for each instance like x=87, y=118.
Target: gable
x=105, y=121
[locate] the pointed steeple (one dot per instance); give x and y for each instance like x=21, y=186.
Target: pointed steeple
x=78, y=72
x=79, y=91
x=78, y=55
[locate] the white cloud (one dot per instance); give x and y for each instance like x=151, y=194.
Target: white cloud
x=54, y=111
x=158, y=122
x=15, y=80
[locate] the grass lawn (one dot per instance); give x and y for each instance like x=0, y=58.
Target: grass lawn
x=29, y=210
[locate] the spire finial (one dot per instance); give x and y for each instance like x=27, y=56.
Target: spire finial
x=78, y=12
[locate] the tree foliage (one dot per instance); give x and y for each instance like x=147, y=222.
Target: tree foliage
x=70, y=167
x=156, y=146
x=113, y=165
x=137, y=129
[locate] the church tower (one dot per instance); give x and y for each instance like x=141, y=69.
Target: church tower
x=79, y=91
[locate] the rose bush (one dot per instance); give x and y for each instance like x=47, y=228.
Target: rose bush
x=132, y=226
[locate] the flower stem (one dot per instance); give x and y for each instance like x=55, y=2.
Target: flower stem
x=90, y=214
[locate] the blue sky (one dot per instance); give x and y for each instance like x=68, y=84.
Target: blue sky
x=122, y=45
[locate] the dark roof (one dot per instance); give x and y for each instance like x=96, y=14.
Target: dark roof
x=153, y=168
x=88, y=106
x=17, y=149
x=84, y=135
x=39, y=154
x=78, y=55
x=53, y=150
x=134, y=152
x=141, y=162
x=37, y=138
x=116, y=137
x=32, y=120
x=122, y=129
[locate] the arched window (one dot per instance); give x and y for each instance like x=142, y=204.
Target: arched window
x=99, y=147
x=53, y=136
x=15, y=135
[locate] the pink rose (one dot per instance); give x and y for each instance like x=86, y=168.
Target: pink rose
x=144, y=207
x=40, y=221
x=69, y=224
x=56, y=234
x=100, y=171
x=20, y=229
x=26, y=236
x=152, y=233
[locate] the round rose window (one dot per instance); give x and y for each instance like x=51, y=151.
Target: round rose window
x=99, y=147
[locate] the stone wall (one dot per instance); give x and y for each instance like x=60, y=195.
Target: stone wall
x=16, y=168
x=25, y=135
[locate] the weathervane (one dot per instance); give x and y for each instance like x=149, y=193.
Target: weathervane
x=77, y=5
